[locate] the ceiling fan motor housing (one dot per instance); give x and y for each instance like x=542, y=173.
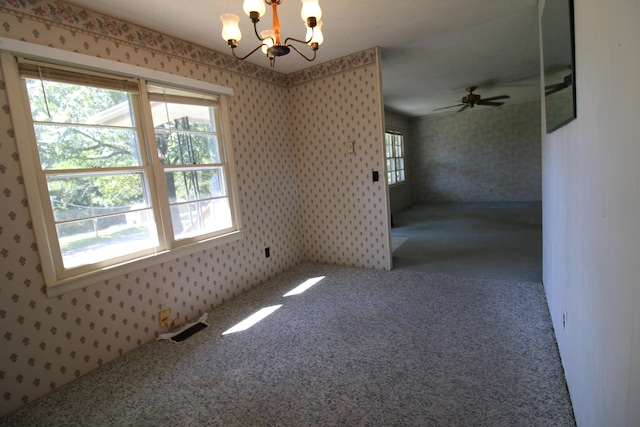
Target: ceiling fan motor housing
x=470, y=99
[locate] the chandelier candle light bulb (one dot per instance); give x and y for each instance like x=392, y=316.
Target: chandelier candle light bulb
x=271, y=44
x=314, y=35
x=230, y=29
x=267, y=40
x=310, y=9
x=254, y=6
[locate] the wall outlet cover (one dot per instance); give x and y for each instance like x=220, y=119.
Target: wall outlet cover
x=351, y=147
x=164, y=317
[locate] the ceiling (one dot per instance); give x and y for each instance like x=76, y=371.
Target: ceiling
x=431, y=49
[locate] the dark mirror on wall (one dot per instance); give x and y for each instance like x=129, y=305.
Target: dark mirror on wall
x=559, y=65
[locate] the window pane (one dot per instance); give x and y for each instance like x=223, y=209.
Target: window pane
x=195, y=184
x=84, y=147
x=183, y=116
x=95, y=240
x=217, y=184
x=82, y=196
x=79, y=127
x=70, y=103
x=187, y=148
x=196, y=218
x=185, y=134
x=395, y=157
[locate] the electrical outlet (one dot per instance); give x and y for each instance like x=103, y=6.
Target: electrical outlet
x=267, y=252
x=164, y=317
x=351, y=147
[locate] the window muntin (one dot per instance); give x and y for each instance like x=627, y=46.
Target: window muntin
x=102, y=204
x=394, y=152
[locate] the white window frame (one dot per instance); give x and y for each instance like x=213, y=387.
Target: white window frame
x=394, y=156
x=55, y=285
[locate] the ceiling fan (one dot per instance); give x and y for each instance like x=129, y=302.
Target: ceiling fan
x=473, y=99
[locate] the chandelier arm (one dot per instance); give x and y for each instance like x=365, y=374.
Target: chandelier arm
x=286, y=42
x=255, y=29
x=300, y=41
x=233, y=50
x=302, y=54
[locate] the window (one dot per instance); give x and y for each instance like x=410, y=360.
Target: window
x=394, y=149
x=190, y=156
x=123, y=169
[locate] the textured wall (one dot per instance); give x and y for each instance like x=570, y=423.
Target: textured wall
x=591, y=209
x=482, y=155
x=344, y=215
x=46, y=343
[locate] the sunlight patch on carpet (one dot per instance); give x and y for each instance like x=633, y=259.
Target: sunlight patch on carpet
x=252, y=320
x=304, y=286
x=396, y=242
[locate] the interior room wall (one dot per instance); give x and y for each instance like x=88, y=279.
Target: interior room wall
x=344, y=214
x=399, y=194
x=480, y=155
x=591, y=207
x=48, y=342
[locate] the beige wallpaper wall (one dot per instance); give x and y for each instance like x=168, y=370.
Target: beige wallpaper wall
x=299, y=193
x=340, y=201
x=480, y=155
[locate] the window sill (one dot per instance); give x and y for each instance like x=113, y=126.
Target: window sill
x=100, y=276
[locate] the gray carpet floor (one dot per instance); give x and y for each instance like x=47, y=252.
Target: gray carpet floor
x=489, y=240
x=359, y=348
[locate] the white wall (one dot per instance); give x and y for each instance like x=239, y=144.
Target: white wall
x=591, y=209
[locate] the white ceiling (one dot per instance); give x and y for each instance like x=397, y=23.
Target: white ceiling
x=431, y=49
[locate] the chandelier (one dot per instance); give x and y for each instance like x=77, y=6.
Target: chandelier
x=271, y=42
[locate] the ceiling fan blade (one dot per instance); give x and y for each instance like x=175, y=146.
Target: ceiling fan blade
x=494, y=98
x=489, y=103
x=550, y=90
x=464, y=108
x=553, y=89
x=450, y=106
x=556, y=86
x=566, y=82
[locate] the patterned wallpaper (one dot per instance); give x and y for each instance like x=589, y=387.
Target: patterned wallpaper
x=300, y=195
x=480, y=155
x=340, y=202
